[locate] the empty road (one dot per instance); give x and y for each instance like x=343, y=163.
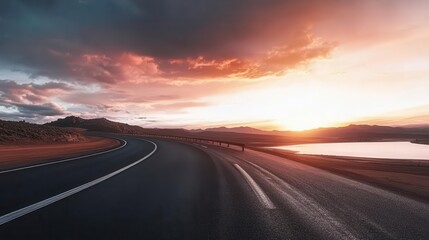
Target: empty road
x=159, y=189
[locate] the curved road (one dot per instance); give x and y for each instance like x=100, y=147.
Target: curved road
x=158, y=189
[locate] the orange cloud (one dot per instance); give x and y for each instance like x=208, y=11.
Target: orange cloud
x=131, y=67
x=177, y=106
x=272, y=62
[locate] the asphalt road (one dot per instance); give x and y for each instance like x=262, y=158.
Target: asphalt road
x=160, y=189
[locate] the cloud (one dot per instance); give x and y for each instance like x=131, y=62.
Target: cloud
x=129, y=67
x=177, y=106
x=274, y=61
x=112, y=57
x=30, y=100
x=12, y=92
x=113, y=41
x=30, y=111
x=47, y=109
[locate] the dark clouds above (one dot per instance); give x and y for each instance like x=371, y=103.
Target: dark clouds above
x=132, y=57
x=177, y=39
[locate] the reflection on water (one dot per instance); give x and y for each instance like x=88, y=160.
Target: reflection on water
x=393, y=150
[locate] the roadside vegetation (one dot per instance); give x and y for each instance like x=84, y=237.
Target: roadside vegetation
x=14, y=133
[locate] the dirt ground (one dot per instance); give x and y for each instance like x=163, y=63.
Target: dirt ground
x=22, y=155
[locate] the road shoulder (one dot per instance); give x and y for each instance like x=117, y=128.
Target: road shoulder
x=23, y=155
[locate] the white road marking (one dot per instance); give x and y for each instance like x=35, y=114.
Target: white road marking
x=263, y=198
x=65, y=160
x=204, y=146
x=308, y=207
x=26, y=210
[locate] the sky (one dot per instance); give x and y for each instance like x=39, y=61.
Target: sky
x=270, y=64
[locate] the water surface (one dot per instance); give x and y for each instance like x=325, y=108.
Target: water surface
x=393, y=150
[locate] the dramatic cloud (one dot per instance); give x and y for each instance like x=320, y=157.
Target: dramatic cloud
x=142, y=57
x=113, y=41
x=11, y=91
x=47, y=109
x=30, y=100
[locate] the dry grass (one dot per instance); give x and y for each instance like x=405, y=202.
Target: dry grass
x=27, y=133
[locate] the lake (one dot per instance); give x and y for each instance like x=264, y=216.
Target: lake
x=393, y=150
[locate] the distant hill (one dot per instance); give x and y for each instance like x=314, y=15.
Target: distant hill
x=368, y=129
x=28, y=133
x=254, y=136
x=97, y=124
x=242, y=129
x=336, y=134
x=425, y=126
x=366, y=133
x=351, y=131
x=105, y=125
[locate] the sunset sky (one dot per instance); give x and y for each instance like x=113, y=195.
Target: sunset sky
x=271, y=64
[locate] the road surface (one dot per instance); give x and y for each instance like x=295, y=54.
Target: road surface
x=160, y=189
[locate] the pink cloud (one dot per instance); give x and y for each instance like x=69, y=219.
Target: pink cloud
x=131, y=67
x=30, y=100
x=30, y=93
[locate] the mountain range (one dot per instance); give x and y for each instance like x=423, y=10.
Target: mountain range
x=67, y=129
x=256, y=136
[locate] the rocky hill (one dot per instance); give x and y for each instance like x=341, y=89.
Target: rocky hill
x=97, y=124
x=28, y=133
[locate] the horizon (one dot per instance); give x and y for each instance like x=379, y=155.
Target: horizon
x=214, y=119
x=417, y=126
x=270, y=65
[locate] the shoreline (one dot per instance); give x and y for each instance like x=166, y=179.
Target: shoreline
x=352, y=155
x=406, y=177
x=422, y=142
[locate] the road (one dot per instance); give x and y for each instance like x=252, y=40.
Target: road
x=160, y=189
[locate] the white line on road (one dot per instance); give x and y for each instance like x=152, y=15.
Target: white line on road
x=308, y=207
x=26, y=210
x=200, y=145
x=263, y=198
x=65, y=160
